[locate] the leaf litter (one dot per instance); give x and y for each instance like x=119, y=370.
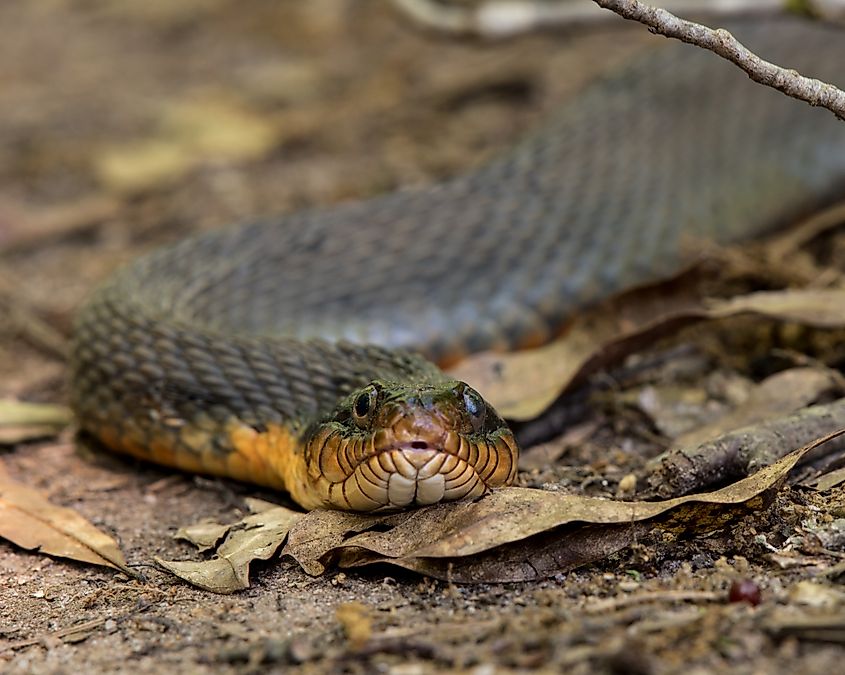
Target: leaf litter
x=598, y=638
x=255, y=537
x=512, y=534
x=520, y=534
x=29, y=520
x=753, y=435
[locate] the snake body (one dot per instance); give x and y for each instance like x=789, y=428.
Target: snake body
x=297, y=352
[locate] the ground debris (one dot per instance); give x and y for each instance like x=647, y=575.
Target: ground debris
x=31, y=521
x=743, y=451
x=255, y=537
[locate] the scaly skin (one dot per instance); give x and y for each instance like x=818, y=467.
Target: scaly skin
x=242, y=352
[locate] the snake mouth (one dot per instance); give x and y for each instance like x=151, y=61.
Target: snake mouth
x=409, y=476
x=417, y=473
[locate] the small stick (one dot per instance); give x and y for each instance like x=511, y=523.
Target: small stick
x=739, y=453
x=721, y=42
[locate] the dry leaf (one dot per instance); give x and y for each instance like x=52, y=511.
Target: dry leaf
x=20, y=421
x=814, y=594
x=256, y=505
x=255, y=537
x=819, y=307
x=512, y=534
x=827, y=481
x=207, y=534
x=522, y=384
x=26, y=227
x=207, y=127
x=29, y=520
x=203, y=535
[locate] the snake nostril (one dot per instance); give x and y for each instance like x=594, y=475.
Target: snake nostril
x=419, y=445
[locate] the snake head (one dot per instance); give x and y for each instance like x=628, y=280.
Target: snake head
x=392, y=445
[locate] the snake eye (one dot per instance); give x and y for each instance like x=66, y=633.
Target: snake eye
x=474, y=406
x=364, y=404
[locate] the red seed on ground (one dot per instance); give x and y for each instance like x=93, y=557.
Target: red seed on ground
x=745, y=590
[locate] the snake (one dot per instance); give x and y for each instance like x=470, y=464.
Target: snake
x=303, y=352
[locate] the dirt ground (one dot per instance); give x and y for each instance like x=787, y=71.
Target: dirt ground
x=127, y=125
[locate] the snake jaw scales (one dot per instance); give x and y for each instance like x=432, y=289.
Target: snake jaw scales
x=391, y=445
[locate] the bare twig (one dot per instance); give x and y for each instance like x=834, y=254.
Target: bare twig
x=497, y=19
x=500, y=18
x=741, y=452
x=721, y=42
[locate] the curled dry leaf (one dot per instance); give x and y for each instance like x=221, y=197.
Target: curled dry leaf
x=818, y=307
x=255, y=537
x=203, y=535
x=522, y=384
x=207, y=534
x=29, y=520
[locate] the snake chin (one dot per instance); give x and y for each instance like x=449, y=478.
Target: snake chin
x=408, y=476
x=392, y=446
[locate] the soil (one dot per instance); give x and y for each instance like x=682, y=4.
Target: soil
x=126, y=126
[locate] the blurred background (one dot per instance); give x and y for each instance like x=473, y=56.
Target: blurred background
x=128, y=124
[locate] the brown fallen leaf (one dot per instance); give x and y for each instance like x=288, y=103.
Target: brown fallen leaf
x=255, y=537
x=24, y=227
x=817, y=307
x=785, y=244
x=827, y=481
x=512, y=534
x=21, y=421
x=523, y=384
x=256, y=505
x=538, y=557
x=29, y=520
x=205, y=535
